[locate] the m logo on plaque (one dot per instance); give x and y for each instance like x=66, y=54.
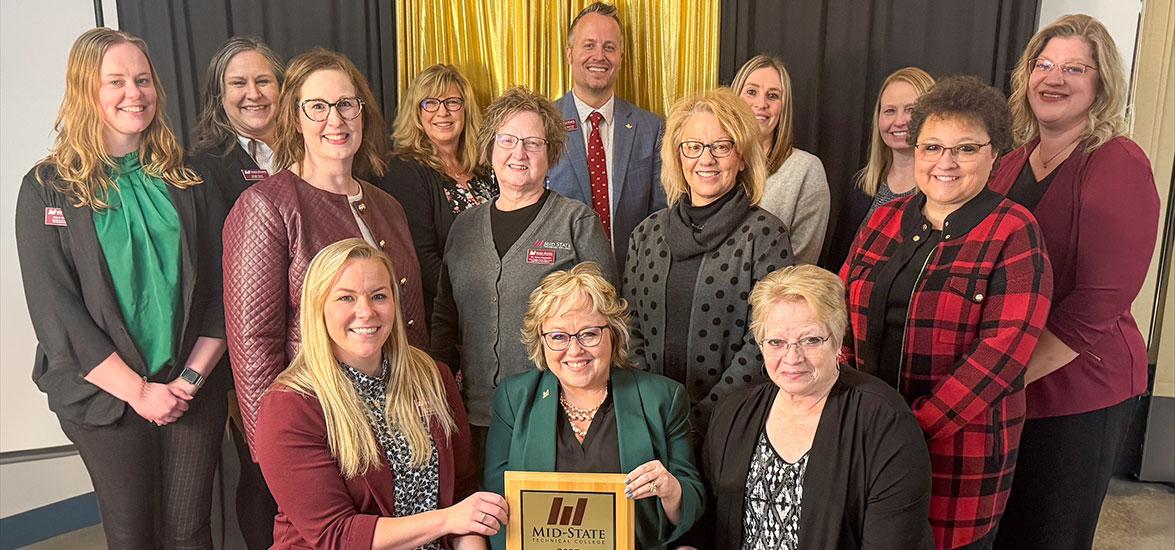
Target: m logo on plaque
x=559, y=511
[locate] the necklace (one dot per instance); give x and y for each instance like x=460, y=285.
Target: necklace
x=575, y=414
x=1045, y=163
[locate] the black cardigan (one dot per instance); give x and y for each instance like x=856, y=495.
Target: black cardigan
x=867, y=484
x=70, y=296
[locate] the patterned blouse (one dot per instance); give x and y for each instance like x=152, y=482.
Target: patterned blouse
x=416, y=489
x=477, y=191
x=775, y=491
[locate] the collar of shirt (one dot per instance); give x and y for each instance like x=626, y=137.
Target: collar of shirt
x=260, y=152
x=607, y=109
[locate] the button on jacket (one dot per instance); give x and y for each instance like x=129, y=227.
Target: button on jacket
x=272, y=233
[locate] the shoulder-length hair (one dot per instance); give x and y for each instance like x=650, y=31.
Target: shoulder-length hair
x=213, y=131
x=880, y=155
x=1107, y=115
x=783, y=138
x=736, y=119
x=415, y=392
x=289, y=146
x=520, y=99
x=554, y=295
x=408, y=135
x=79, y=154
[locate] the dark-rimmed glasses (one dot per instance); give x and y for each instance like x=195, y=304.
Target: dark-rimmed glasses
x=432, y=104
x=588, y=338
x=1046, y=65
x=694, y=149
x=963, y=152
x=807, y=344
x=529, y=144
x=318, y=110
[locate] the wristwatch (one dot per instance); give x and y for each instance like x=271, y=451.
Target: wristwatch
x=192, y=377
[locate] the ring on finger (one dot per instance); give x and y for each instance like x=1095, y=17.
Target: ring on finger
x=653, y=487
x=484, y=517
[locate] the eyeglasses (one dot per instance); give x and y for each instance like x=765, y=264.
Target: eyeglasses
x=694, y=149
x=318, y=110
x=963, y=152
x=1045, y=65
x=807, y=344
x=431, y=104
x=530, y=144
x=587, y=338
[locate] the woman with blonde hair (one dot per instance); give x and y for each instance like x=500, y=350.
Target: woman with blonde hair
x=329, y=136
x=796, y=189
x=583, y=410
x=363, y=439
x=434, y=171
x=1093, y=192
x=691, y=266
x=122, y=281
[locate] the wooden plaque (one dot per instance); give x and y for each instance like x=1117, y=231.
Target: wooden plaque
x=563, y=511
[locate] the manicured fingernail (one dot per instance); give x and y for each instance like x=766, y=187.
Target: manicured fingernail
x=628, y=493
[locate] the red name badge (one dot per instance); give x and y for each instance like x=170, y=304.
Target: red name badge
x=570, y=124
x=254, y=175
x=54, y=216
x=544, y=257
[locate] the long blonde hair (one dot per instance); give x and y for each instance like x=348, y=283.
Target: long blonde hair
x=880, y=155
x=736, y=119
x=783, y=138
x=415, y=394
x=79, y=154
x=290, y=147
x=1107, y=114
x=408, y=135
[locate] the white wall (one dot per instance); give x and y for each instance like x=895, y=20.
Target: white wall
x=1119, y=16
x=35, y=37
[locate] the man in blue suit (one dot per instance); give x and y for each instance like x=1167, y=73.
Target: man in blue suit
x=612, y=161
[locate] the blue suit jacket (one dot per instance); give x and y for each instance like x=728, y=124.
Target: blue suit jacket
x=636, y=167
x=651, y=423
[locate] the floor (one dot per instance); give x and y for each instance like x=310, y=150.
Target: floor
x=1136, y=516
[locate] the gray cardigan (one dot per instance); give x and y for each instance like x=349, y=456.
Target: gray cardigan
x=798, y=195
x=481, y=299
x=722, y=352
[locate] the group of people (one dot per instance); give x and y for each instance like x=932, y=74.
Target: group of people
x=579, y=286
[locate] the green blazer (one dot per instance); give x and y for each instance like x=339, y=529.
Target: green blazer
x=651, y=423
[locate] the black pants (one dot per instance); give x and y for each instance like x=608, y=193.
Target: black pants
x=154, y=483
x=479, y=435
x=255, y=505
x=1062, y=473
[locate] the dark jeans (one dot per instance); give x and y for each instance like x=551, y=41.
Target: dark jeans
x=153, y=483
x=1062, y=473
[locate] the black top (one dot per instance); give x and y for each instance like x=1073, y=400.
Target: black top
x=1027, y=191
x=600, y=450
x=866, y=483
x=897, y=307
x=508, y=226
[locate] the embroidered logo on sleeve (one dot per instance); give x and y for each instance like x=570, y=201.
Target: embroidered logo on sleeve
x=54, y=216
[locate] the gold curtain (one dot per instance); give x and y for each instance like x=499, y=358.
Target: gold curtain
x=671, y=46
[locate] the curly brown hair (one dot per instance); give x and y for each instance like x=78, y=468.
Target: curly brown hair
x=520, y=99
x=968, y=98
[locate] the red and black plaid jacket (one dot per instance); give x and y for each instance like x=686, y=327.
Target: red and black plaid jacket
x=973, y=321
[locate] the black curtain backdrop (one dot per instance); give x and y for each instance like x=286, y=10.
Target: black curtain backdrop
x=184, y=34
x=839, y=51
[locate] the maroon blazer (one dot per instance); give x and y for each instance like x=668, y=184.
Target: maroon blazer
x=274, y=230
x=317, y=507
x=974, y=319
x=1100, y=219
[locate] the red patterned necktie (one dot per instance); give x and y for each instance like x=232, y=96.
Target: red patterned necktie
x=598, y=174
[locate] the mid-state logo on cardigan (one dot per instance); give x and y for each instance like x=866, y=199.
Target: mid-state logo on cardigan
x=54, y=216
x=553, y=245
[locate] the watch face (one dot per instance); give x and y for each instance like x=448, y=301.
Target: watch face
x=190, y=376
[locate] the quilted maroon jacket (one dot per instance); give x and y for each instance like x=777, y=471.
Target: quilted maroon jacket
x=272, y=233
x=974, y=319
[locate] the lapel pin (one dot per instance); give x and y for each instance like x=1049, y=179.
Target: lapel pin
x=546, y=393
x=628, y=125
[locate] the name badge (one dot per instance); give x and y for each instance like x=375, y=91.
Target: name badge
x=543, y=257
x=254, y=175
x=54, y=216
x=571, y=125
